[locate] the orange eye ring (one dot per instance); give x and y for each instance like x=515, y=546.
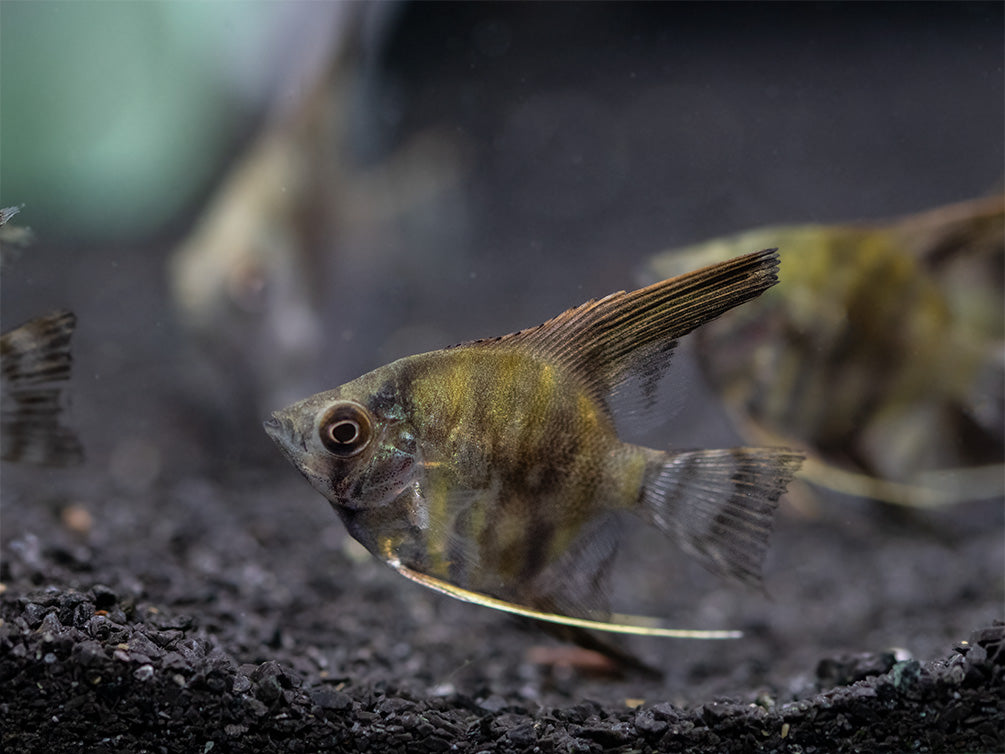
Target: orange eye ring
x=345, y=429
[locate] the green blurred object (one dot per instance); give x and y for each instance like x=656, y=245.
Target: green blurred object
x=880, y=352
x=115, y=114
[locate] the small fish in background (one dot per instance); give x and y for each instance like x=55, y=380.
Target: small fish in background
x=492, y=471
x=879, y=353
x=35, y=361
x=247, y=281
x=244, y=281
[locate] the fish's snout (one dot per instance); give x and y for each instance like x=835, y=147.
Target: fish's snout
x=273, y=426
x=282, y=428
x=279, y=428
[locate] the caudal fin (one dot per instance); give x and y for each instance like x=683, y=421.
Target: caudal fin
x=719, y=504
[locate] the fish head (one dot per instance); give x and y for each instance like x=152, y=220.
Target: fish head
x=351, y=443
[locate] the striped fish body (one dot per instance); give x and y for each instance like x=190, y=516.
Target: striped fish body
x=879, y=351
x=860, y=332
x=495, y=466
x=509, y=459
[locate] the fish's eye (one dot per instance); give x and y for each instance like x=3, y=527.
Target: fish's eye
x=345, y=430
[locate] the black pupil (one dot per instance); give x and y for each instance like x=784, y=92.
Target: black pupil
x=345, y=431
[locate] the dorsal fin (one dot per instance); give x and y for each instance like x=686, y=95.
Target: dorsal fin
x=605, y=341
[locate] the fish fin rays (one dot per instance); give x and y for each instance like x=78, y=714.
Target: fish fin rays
x=625, y=337
x=578, y=582
x=719, y=504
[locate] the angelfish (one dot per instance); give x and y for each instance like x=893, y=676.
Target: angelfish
x=881, y=352
x=492, y=470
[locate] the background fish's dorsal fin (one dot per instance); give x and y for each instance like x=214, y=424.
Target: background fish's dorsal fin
x=610, y=340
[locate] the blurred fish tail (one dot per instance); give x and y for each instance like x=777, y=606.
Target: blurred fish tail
x=719, y=504
x=35, y=359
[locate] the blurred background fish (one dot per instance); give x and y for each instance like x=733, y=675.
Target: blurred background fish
x=880, y=351
x=36, y=367
x=247, y=281
x=35, y=361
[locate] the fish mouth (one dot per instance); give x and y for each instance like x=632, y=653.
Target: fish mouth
x=281, y=430
x=273, y=427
